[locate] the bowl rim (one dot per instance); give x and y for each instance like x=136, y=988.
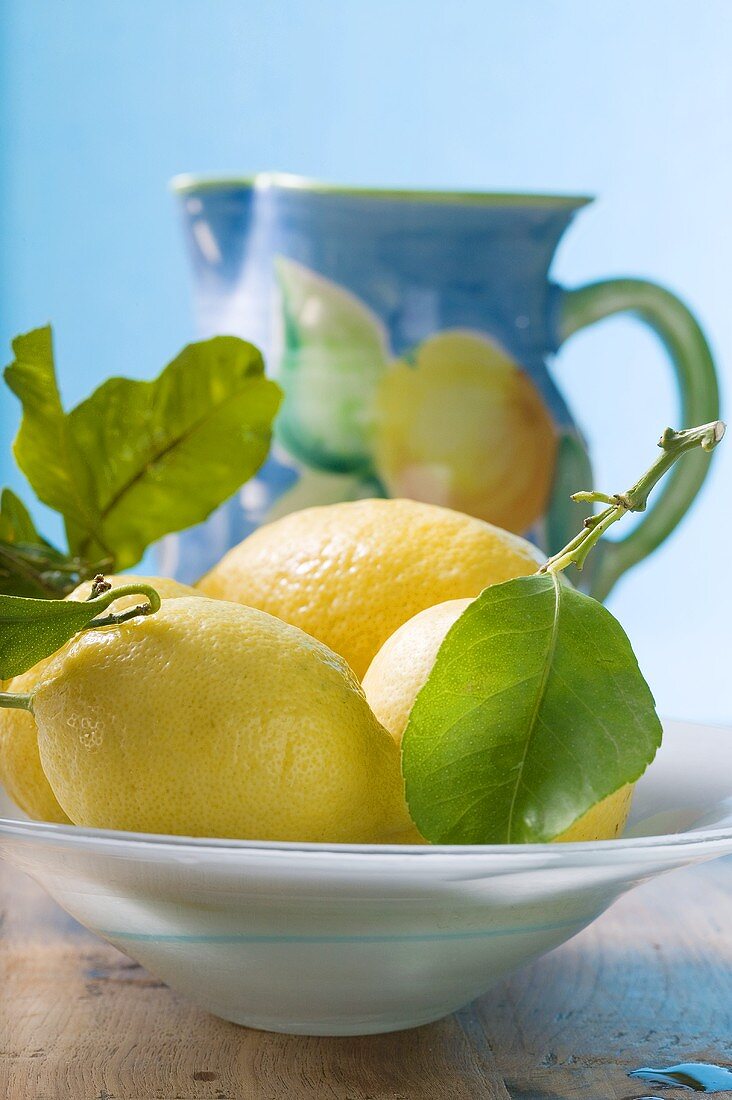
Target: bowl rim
x=49, y=831
x=83, y=836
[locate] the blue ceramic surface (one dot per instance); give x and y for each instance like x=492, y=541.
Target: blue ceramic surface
x=412, y=333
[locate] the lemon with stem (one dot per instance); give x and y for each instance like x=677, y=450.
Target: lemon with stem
x=400, y=669
x=403, y=666
x=21, y=772
x=206, y=718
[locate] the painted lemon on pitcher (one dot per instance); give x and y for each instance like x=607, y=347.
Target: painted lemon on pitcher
x=456, y=422
x=463, y=425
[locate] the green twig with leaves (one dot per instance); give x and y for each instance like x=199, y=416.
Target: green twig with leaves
x=31, y=630
x=535, y=710
x=673, y=444
x=133, y=462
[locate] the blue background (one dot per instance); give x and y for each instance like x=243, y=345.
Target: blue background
x=103, y=102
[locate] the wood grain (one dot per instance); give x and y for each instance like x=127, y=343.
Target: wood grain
x=651, y=982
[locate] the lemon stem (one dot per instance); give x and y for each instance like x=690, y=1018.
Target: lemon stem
x=103, y=595
x=16, y=700
x=673, y=445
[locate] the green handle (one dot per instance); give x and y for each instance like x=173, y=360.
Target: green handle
x=696, y=378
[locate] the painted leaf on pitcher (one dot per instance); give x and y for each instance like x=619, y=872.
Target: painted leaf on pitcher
x=335, y=351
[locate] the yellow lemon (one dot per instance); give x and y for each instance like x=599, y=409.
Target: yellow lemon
x=20, y=765
x=464, y=426
x=351, y=573
x=212, y=719
x=605, y=821
x=401, y=667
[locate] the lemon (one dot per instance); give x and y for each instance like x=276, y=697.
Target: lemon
x=463, y=425
x=401, y=667
x=605, y=821
x=351, y=573
x=212, y=719
x=20, y=765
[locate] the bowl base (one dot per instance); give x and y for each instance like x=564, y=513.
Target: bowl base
x=351, y=1026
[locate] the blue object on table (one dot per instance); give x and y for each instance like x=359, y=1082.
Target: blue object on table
x=411, y=331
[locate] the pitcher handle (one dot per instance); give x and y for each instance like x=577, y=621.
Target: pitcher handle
x=693, y=366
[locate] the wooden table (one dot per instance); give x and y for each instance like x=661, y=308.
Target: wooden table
x=650, y=983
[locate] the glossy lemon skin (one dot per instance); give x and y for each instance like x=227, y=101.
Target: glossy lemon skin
x=212, y=719
x=400, y=669
x=605, y=821
x=463, y=425
x=21, y=772
x=350, y=574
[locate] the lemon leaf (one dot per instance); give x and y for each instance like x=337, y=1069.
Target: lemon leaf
x=31, y=629
x=164, y=454
x=39, y=569
x=138, y=460
x=16, y=524
x=535, y=710
x=44, y=447
x=29, y=565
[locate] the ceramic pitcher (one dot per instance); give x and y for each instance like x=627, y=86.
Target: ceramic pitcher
x=410, y=331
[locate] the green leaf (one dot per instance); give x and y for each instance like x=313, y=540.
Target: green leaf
x=44, y=447
x=534, y=711
x=163, y=454
x=138, y=460
x=37, y=569
x=33, y=629
x=335, y=353
x=16, y=524
x=29, y=565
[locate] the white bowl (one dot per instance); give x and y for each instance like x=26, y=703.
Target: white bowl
x=320, y=939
